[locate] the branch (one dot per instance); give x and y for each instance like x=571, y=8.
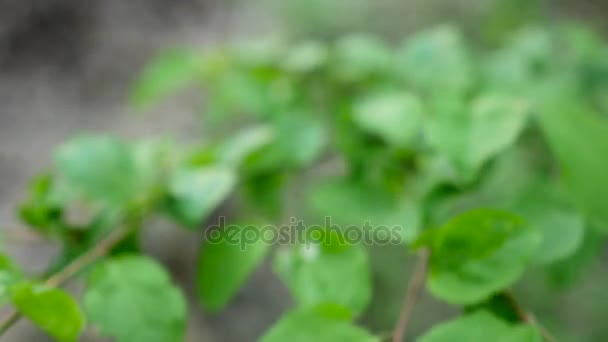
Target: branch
x=528, y=318
x=412, y=295
x=73, y=268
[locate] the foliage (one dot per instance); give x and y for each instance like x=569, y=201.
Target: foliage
x=494, y=161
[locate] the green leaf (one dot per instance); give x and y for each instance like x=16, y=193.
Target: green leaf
x=9, y=276
x=299, y=139
x=52, y=310
x=478, y=254
x=394, y=116
x=313, y=324
x=243, y=144
x=196, y=192
x=469, y=139
x=164, y=75
x=562, y=228
x=306, y=57
x=577, y=136
x=41, y=210
x=318, y=274
x=349, y=203
x=230, y=250
x=480, y=326
x=98, y=168
x=361, y=56
x=132, y=299
x=436, y=60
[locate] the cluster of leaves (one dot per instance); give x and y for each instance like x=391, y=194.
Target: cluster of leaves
x=491, y=160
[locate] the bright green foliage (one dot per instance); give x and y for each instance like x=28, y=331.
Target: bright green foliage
x=480, y=326
x=224, y=266
x=395, y=117
x=562, y=228
x=52, y=310
x=492, y=159
x=478, y=254
x=349, y=203
x=317, y=324
x=196, y=192
x=167, y=74
x=98, y=168
x=132, y=299
x=334, y=273
x=437, y=60
x=583, y=170
x=470, y=135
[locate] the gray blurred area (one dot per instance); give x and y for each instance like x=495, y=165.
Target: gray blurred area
x=66, y=67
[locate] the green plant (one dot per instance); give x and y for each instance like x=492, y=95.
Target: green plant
x=489, y=162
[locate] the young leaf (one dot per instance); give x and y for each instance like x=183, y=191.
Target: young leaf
x=52, y=310
x=437, y=60
x=305, y=57
x=578, y=136
x=318, y=274
x=396, y=117
x=196, y=192
x=350, y=203
x=562, y=228
x=314, y=324
x=479, y=253
x=480, y=326
x=361, y=56
x=469, y=139
x=166, y=74
x=132, y=299
x=99, y=168
x=230, y=250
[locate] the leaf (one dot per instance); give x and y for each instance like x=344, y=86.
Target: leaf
x=471, y=139
x=318, y=274
x=305, y=57
x=349, y=203
x=562, y=228
x=52, y=310
x=299, y=139
x=395, y=116
x=312, y=324
x=577, y=136
x=233, y=249
x=98, y=168
x=41, y=210
x=9, y=276
x=132, y=299
x=237, y=149
x=480, y=326
x=436, y=60
x=479, y=253
x=361, y=56
x=164, y=75
x=196, y=192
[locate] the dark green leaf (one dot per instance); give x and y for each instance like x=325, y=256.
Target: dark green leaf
x=479, y=253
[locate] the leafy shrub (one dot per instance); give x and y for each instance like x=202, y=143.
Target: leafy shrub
x=489, y=163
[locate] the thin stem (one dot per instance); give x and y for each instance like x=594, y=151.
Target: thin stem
x=528, y=318
x=412, y=295
x=73, y=268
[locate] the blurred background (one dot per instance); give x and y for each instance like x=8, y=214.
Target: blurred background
x=66, y=67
